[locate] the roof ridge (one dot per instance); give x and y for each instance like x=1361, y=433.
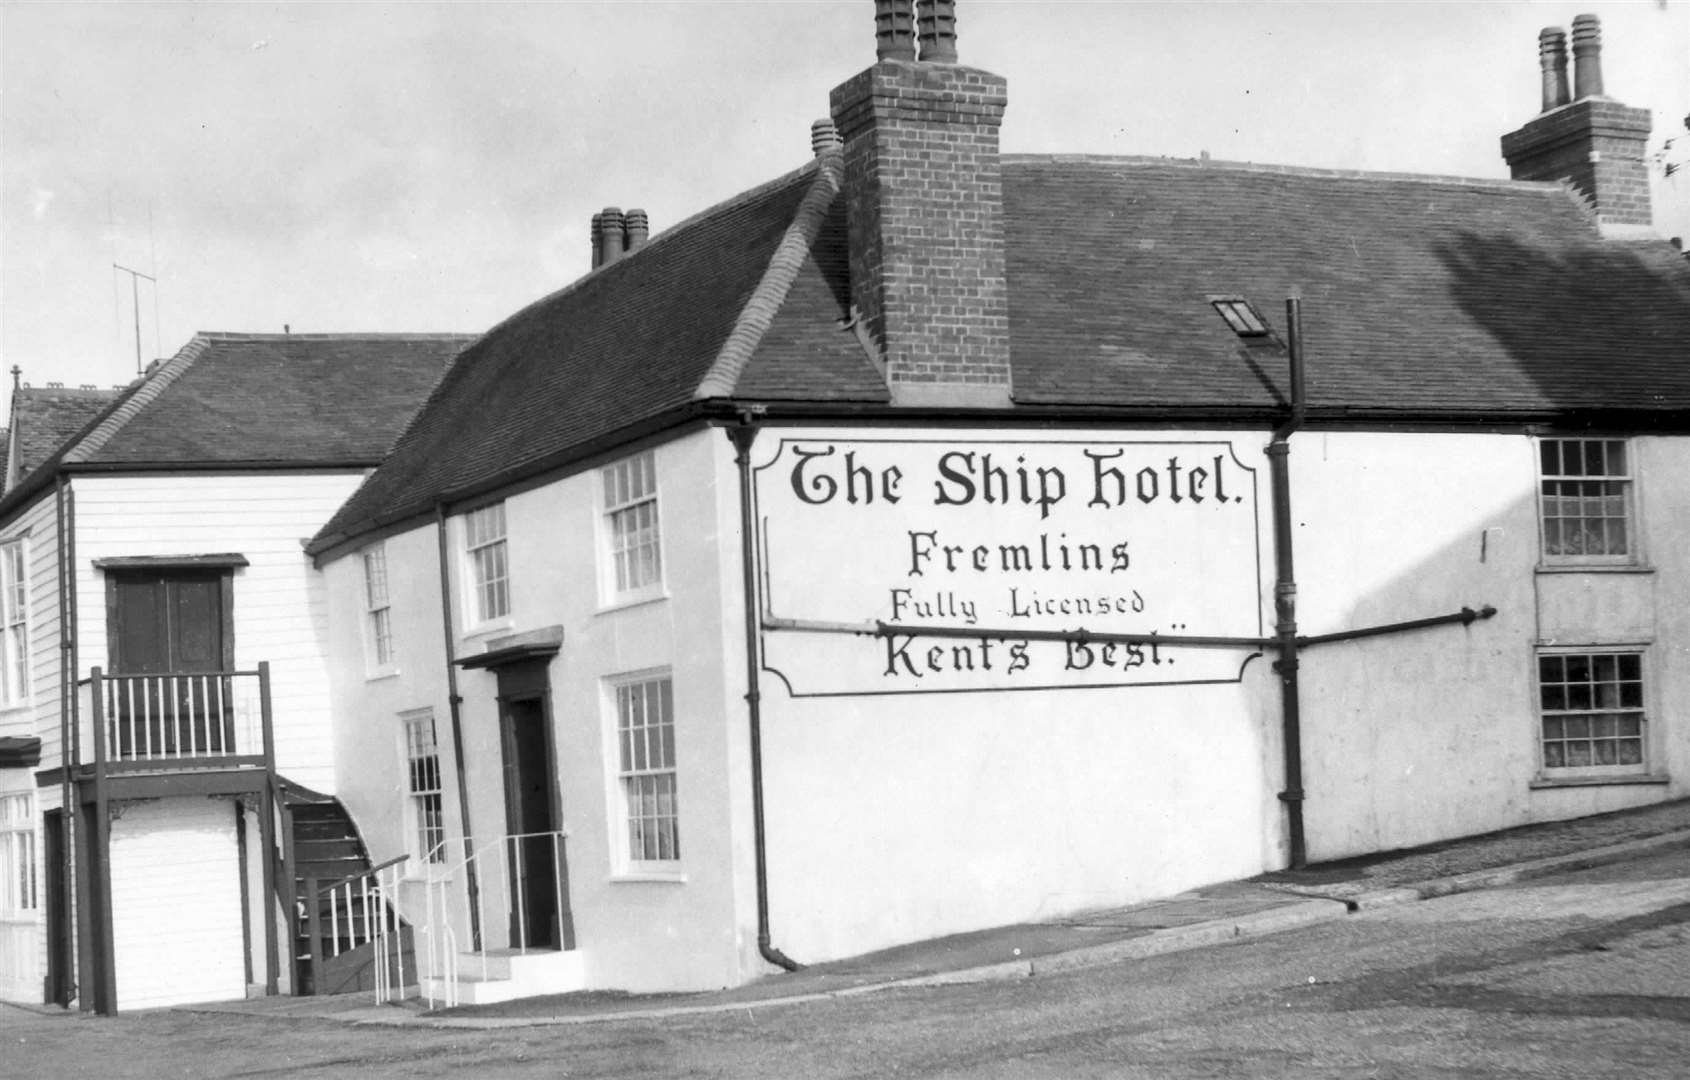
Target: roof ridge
x=337, y=335
x=1140, y=160
x=147, y=392
x=782, y=270
x=657, y=241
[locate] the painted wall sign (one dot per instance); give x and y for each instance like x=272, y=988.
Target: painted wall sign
x=1006, y=536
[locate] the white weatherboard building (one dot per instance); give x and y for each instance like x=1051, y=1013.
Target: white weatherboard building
x=933, y=539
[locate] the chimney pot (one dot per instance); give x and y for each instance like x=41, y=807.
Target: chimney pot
x=1552, y=57
x=824, y=137
x=637, y=228
x=608, y=230
x=894, y=29
x=936, y=31
x=1587, y=56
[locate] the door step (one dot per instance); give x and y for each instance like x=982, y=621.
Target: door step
x=506, y=974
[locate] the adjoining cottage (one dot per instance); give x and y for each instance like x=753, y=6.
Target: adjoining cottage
x=164, y=660
x=905, y=546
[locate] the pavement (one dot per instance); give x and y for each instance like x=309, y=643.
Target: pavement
x=1210, y=916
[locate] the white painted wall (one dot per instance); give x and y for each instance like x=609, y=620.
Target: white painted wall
x=279, y=609
x=893, y=818
x=689, y=930
x=1426, y=736
x=176, y=903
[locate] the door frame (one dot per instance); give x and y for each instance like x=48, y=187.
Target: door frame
x=522, y=681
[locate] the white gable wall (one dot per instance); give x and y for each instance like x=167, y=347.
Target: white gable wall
x=279, y=610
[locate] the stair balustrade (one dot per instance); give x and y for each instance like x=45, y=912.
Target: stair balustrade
x=502, y=870
x=358, y=910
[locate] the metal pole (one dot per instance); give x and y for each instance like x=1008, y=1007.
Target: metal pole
x=135, y=277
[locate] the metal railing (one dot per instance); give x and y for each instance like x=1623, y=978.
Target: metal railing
x=361, y=909
x=505, y=875
x=179, y=719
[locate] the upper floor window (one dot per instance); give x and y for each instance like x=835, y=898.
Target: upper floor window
x=484, y=540
x=18, y=891
x=1585, y=498
x=630, y=510
x=378, y=609
x=14, y=624
x=1592, y=712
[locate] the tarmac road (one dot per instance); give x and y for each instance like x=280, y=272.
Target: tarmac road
x=1583, y=974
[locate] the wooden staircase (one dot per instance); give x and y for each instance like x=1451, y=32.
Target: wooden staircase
x=328, y=849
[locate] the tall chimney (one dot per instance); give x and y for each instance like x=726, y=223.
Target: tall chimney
x=636, y=228
x=935, y=27
x=894, y=29
x=1587, y=57
x=1552, y=57
x=924, y=214
x=1595, y=144
x=607, y=230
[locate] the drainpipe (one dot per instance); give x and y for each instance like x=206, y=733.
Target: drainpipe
x=453, y=703
x=1285, y=587
x=68, y=736
x=743, y=435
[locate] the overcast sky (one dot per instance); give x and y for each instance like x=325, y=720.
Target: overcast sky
x=341, y=166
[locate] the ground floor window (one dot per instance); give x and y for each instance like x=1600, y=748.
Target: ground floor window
x=19, y=891
x=645, y=736
x=1592, y=711
x=422, y=759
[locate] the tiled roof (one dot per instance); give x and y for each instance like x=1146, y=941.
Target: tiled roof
x=282, y=400
x=1423, y=298
x=289, y=399
x=45, y=417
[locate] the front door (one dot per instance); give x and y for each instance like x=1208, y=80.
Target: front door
x=171, y=623
x=535, y=854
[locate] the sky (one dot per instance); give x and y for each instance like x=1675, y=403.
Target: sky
x=435, y=166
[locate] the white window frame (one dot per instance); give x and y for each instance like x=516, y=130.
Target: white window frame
x=631, y=530
x=487, y=565
x=425, y=789
x=1584, y=706
x=379, y=656
x=645, y=780
x=1570, y=483
x=20, y=882
x=14, y=623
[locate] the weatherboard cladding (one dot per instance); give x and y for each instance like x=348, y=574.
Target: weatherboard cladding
x=1423, y=297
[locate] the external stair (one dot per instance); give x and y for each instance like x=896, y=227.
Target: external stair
x=507, y=974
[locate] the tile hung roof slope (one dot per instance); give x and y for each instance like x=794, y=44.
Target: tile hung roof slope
x=47, y=416
x=282, y=400
x=1424, y=297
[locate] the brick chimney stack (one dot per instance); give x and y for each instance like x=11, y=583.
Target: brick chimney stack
x=924, y=210
x=1593, y=142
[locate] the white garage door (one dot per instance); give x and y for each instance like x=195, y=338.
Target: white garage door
x=176, y=903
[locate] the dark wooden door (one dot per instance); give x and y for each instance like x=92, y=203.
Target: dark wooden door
x=171, y=623
x=534, y=853
x=60, y=978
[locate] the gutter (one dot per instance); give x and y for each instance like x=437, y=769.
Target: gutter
x=454, y=704
x=743, y=435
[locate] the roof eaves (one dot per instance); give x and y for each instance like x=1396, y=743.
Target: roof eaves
x=89, y=445
x=783, y=269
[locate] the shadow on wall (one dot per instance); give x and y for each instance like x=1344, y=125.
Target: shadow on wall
x=1556, y=311
x=1428, y=734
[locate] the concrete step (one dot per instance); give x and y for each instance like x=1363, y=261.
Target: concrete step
x=505, y=975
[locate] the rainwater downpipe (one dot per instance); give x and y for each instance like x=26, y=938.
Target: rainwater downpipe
x=743, y=435
x=1285, y=587
x=69, y=736
x=454, y=707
